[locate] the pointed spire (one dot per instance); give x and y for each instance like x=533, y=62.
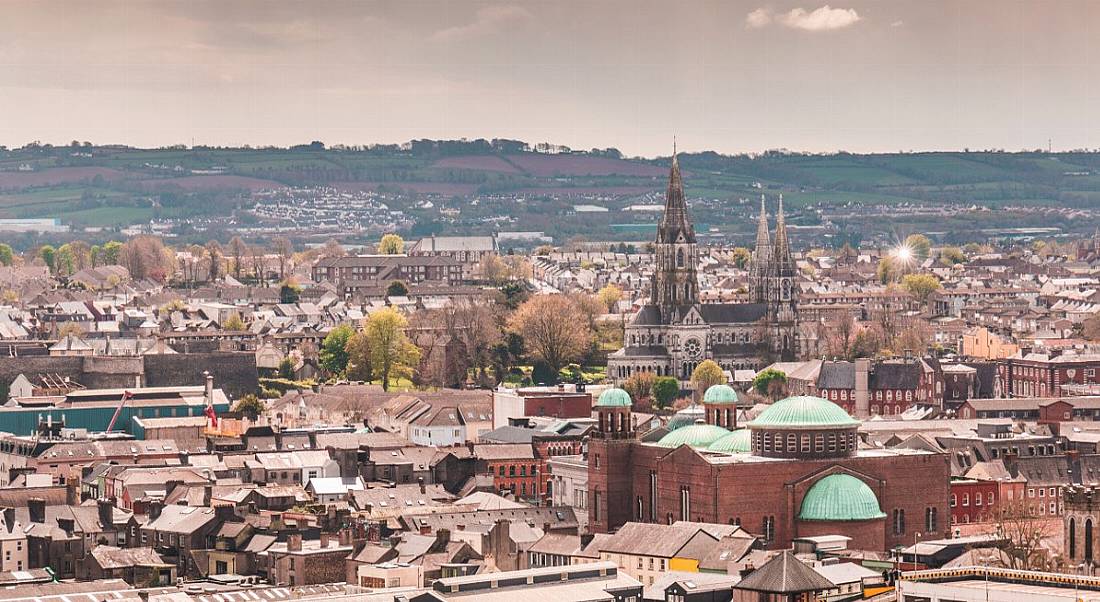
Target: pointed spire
x=763, y=237
x=782, y=245
x=675, y=221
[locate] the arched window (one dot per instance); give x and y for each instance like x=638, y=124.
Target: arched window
x=1088, y=540
x=687, y=291
x=679, y=258
x=792, y=442
x=1072, y=538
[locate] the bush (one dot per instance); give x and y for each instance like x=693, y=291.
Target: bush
x=665, y=390
x=282, y=385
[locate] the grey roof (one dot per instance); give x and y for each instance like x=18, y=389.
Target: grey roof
x=837, y=375
x=730, y=313
x=784, y=574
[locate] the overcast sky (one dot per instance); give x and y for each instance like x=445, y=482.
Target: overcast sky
x=724, y=75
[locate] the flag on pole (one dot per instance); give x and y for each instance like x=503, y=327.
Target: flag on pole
x=211, y=414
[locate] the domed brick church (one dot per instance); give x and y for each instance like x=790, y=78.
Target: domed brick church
x=797, y=470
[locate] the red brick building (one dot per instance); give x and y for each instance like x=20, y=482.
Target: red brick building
x=1046, y=374
x=514, y=467
x=799, y=472
x=872, y=388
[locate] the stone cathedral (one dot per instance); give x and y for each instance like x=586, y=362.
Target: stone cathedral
x=674, y=331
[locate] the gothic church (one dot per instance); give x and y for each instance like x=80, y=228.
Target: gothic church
x=674, y=332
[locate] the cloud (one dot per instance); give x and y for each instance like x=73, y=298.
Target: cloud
x=758, y=18
x=488, y=20
x=825, y=18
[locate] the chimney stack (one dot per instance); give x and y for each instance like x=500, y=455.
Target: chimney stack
x=863, y=387
x=9, y=519
x=294, y=542
x=209, y=387
x=154, y=509
x=423, y=488
x=324, y=540
x=106, y=512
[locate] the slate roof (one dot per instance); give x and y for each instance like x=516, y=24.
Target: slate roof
x=837, y=375
x=784, y=574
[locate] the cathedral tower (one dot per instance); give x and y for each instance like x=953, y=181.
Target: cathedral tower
x=783, y=292
x=761, y=257
x=674, y=278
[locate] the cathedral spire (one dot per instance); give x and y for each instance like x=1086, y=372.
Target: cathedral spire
x=763, y=237
x=782, y=251
x=675, y=224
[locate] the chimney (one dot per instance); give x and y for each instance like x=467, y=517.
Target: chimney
x=9, y=519
x=324, y=540
x=170, y=486
x=225, y=512
x=344, y=536
x=545, y=528
x=470, y=446
x=185, y=458
x=106, y=512
x=37, y=508
x=294, y=542
x=209, y=387
x=423, y=489
x=154, y=509
x=72, y=494
x=863, y=387
x=425, y=530
x=66, y=525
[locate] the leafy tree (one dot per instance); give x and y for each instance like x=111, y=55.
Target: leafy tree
x=706, y=374
x=334, y=354
x=921, y=286
x=48, y=255
x=110, y=253
x=740, y=257
x=543, y=374
x=770, y=382
x=289, y=292
x=553, y=328
x=514, y=294
x=865, y=344
x=391, y=244
x=284, y=249
x=6, y=255
x=234, y=322
x=332, y=248
x=919, y=245
x=391, y=352
x=950, y=256
x=286, y=368
x=493, y=269
x=640, y=385
x=397, y=289
x=214, y=253
x=610, y=295
x=665, y=390
x=358, y=349
x=251, y=406
x=887, y=270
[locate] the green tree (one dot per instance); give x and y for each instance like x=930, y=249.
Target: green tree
x=48, y=255
x=919, y=245
x=110, y=253
x=251, y=406
x=610, y=295
x=391, y=244
x=950, y=256
x=6, y=255
x=921, y=286
x=706, y=374
x=397, y=289
x=553, y=328
x=741, y=257
x=886, y=271
x=286, y=369
x=665, y=390
x=234, y=323
x=289, y=292
x=770, y=383
x=358, y=349
x=392, y=354
x=334, y=354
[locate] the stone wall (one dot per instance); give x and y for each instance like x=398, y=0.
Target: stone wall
x=11, y=367
x=233, y=372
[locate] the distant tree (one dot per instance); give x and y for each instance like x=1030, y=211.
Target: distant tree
x=234, y=323
x=665, y=390
x=48, y=255
x=771, y=383
x=334, y=354
x=146, y=257
x=397, y=288
x=391, y=244
x=64, y=263
x=6, y=255
x=392, y=354
x=887, y=270
x=358, y=350
x=1023, y=533
x=214, y=254
x=284, y=250
x=919, y=245
x=69, y=329
x=609, y=296
x=286, y=368
x=553, y=328
x=839, y=336
x=864, y=344
x=332, y=248
x=111, y=253
x=493, y=269
x=640, y=385
x=741, y=257
x=513, y=294
x=289, y=292
x=543, y=374
x=237, y=250
x=921, y=286
x=251, y=406
x=707, y=374
x=950, y=256
x=543, y=250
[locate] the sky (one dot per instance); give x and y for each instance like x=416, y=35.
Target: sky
x=725, y=75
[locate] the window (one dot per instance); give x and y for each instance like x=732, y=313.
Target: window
x=977, y=499
x=990, y=498
x=953, y=500
x=899, y=521
x=685, y=503
x=966, y=499
x=769, y=528
x=931, y=520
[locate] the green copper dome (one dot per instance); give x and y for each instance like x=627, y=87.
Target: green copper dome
x=686, y=417
x=614, y=398
x=804, y=411
x=737, y=442
x=696, y=435
x=840, y=497
x=720, y=394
